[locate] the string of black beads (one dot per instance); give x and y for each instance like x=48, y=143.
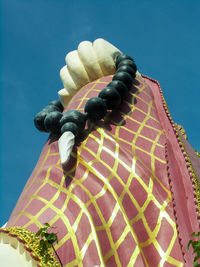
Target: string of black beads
x=51, y=119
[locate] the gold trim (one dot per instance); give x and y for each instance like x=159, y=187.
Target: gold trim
x=31, y=244
x=182, y=130
x=196, y=182
x=198, y=154
x=178, y=128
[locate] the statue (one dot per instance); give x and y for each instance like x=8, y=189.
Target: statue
x=124, y=191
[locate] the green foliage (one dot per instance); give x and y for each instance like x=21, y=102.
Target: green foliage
x=46, y=242
x=196, y=248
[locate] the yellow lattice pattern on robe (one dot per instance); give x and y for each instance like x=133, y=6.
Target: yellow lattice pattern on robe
x=143, y=173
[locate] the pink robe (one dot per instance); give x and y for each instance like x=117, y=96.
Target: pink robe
x=129, y=194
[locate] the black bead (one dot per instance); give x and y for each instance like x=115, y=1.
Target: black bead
x=70, y=127
x=96, y=108
x=121, y=57
x=124, y=77
x=74, y=116
x=128, y=69
x=112, y=97
x=52, y=121
x=50, y=108
x=39, y=120
x=119, y=86
x=57, y=104
x=127, y=62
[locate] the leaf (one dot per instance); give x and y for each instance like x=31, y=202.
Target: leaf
x=43, y=234
x=52, y=236
x=46, y=224
x=46, y=258
x=195, y=245
x=198, y=234
x=39, y=232
x=43, y=247
x=46, y=242
x=196, y=261
x=195, y=235
x=43, y=251
x=46, y=235
x=188, y=245
x=196, y=248
x=56, y=240
x=41, y=242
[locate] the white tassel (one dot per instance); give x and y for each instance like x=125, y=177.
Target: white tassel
x=65, y=145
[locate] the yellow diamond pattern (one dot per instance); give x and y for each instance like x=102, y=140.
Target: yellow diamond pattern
x=135, y=166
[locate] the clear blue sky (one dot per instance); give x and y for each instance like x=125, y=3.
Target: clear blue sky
x=162, y=36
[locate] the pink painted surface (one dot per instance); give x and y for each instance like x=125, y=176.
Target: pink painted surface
x=59, y=196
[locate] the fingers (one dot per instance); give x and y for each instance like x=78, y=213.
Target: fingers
x=88, y=63
x=64, y=97
x=87, y=55
x=105, y=53
x=67, y=80
x=76, y=69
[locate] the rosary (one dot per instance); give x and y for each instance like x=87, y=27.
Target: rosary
x=70, y=124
